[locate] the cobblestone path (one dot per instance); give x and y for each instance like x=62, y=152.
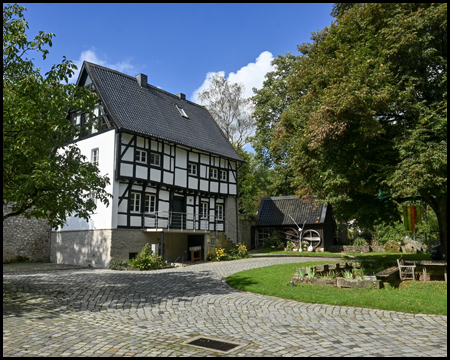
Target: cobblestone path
x=63, y=310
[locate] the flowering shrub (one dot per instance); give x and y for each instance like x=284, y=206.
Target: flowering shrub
x=305, y=245
x=147, y=260
x=221, y=254
x=239, y=252
x=210, y=256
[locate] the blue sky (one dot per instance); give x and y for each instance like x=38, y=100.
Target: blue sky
x=177, y=45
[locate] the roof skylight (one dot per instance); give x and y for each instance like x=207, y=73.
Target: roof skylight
x=182, y=112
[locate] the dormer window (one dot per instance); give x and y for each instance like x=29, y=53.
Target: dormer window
x=182, y=112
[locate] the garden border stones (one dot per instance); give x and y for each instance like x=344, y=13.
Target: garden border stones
x=337, y=282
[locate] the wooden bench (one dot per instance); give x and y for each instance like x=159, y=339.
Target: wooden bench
x=388, y=275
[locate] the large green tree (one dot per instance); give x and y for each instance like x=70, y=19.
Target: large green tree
x=42, y=177
x=366, y=121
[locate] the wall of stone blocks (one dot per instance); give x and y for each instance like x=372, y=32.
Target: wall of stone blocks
x=25, y=238
x=81, y=247
x=245, y=230
x=126, y=241
x=230, y=215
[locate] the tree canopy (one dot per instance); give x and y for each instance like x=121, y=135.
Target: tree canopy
x=230, y=109
x=41, y=176
x=363, y=123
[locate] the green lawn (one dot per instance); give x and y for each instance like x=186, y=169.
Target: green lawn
x=371, y=255
x=410, y=297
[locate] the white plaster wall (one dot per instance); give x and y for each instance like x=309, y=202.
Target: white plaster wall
x=86, y=247
x=102, y=218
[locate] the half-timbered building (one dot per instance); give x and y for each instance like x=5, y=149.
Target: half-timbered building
x=173, y=174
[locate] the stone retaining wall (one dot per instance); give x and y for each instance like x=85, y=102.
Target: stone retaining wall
x=24, y=237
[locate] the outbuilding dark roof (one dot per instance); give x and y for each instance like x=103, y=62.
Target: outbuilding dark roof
x=275, y=211
x=152, y=111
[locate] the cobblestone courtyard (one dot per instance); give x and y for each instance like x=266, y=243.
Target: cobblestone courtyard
x=69, y=311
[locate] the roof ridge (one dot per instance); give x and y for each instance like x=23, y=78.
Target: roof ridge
x=134, y=78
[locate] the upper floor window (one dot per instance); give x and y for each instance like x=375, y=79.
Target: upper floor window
x=219, y=211
x=182, y=112
x=223, y=175
x=192, y=169
x=90, y=123
x=155, y=159
x=94, y=156
x=149, y=205
x=204, y=210
x=141, y=156
x=213, y=173
x=135, y=202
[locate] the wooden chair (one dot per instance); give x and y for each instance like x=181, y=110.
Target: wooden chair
x=406, y=271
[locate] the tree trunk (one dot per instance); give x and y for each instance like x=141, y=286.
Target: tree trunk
x=439, y=206
x=442, y=221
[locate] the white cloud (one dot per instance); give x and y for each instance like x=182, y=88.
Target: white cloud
x=251, y=75
x=91, y=56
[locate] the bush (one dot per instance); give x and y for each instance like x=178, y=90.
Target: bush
x=210, y=256
x=147, y=260
x=118, y=264
x=359, y=241
x=221, y=254
x=384, y=232
x=239, y=252
x=273, y=240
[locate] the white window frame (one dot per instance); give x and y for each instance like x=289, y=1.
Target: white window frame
x=219, y=211
x=155, y=156
x=192, y=169
x=135, y=202
x=95, y=156
x=214, y=173
x=139, y=155
x=223, y=175
x=149, y=199
x=204, y=210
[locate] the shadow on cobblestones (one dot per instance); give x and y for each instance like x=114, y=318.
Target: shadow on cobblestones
x=81, y=290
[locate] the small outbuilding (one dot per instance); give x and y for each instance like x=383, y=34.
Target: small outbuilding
x=286, y=214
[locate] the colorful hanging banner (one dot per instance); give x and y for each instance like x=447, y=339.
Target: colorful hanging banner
x=412, y=215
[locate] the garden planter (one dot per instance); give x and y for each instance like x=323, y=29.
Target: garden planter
x=301, y=281
x=338, y=282
x=357, y=283
x=323, y=282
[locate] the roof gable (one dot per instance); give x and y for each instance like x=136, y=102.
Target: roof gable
x=151, y=111
x=275, y=211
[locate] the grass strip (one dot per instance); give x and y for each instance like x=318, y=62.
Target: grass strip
x=411, y=296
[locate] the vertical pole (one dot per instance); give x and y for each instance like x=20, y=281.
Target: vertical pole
x=162, y=245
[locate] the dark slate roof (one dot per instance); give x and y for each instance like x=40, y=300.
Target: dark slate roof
x=152, y=111
x=275, y=211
